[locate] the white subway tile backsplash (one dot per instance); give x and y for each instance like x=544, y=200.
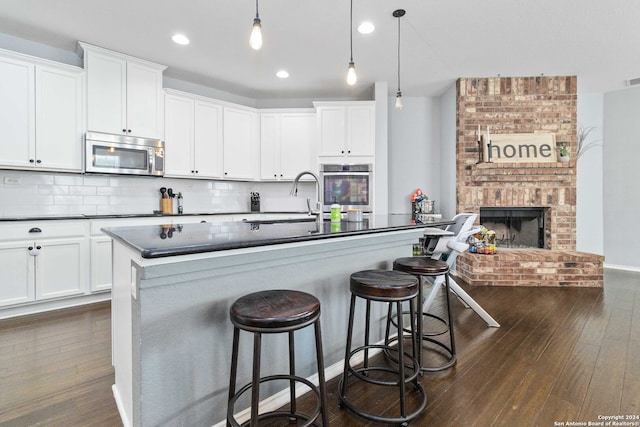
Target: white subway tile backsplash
x=64, y=194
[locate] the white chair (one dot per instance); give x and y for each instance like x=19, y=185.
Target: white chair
x=453, y=245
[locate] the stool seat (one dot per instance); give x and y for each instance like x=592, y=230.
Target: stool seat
x=421, y=265
x=274, y=309
x=383, y=284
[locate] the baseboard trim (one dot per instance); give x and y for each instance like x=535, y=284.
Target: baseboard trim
x=622, y=267
x=119, y=406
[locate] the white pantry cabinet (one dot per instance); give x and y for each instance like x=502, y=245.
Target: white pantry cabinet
x=41, y=114
x=124, y=94
x=43, y=260
x=193, y=136
x=241, y=144
x=346, y=129
x=287, y=144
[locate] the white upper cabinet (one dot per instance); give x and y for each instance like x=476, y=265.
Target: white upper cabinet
x=346, y=129
x=287, y=144
x=59, y=118
x=241, y=144
x=41, y=114
x=193, y=137
x=124, y=94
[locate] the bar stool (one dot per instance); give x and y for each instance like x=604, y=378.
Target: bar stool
x=268, y=312
x=387, y=287
x=421, y=266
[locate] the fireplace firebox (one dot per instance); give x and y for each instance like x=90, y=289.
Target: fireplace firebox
x=515, y=227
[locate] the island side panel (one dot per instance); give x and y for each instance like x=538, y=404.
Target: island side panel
x=185, y=332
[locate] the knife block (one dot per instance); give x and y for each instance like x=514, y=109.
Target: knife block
x=166, y=206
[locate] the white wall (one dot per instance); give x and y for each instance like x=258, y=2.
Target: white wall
x=448, y=141
x=589, y=197
x=621, y=145
x=381, y=172
x=414, y=152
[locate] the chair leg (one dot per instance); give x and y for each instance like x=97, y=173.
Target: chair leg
x=450, y=315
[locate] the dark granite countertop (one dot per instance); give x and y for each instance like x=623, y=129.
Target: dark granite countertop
x=157, y=241
x=132, y=215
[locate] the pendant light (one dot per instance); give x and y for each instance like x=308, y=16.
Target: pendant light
x=255, y=40
x=351, y=73
x=398, y=14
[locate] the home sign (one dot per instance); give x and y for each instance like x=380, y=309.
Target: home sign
x=519, y=148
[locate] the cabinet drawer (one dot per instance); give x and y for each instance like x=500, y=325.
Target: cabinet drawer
x=20, y=230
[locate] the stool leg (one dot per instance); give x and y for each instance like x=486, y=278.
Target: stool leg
x=321, y=380
x=416, y=344
x=234, y=372
x=348, y=348
x=388, y=328
x=418, y=335
x=255, y=381
x=366, y=334
x=401, y=360
x=451, y=336
x=292, y=372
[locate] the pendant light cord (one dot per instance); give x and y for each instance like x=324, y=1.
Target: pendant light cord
x=257, y=15
x=398, y=54
x=350, y=29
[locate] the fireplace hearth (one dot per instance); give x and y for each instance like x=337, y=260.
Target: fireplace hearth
x=515, y=227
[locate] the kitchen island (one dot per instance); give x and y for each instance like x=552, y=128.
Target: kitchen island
x=173, y=286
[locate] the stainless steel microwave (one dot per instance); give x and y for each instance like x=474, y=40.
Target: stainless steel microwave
x=122, y=154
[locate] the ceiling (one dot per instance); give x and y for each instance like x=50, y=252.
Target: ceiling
x=441, y=41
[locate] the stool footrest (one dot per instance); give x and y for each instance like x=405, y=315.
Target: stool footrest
x=358, y=372
x=278, y=414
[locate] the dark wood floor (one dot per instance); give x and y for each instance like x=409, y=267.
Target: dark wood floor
x=561, y=355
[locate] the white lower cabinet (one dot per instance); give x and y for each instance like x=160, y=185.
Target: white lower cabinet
x=43, y=260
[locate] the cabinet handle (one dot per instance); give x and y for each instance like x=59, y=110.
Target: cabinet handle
x=275, y=175
x=38, y=161
x=349, y=152
x=203, y=222
x=342, y=152
x=128, y=130
x=38, y=247
x=225, y=173
x=35, y=230
x=196, y=171
x=193, y=171
x=124, y=130
x=32, y=161
x=281, y=175
x=30, y=248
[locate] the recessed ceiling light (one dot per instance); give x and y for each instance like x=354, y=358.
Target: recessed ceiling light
x=366, y=28
x=283, y=74
x=180, y=39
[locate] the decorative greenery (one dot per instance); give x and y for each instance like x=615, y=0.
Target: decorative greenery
x=563, y=149
x=583, y=133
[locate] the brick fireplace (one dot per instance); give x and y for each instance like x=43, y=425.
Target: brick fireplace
x=517, y=105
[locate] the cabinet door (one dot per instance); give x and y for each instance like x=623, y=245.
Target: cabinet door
x=239, y=143
x=332, y=126
x=297, y=144
x=179, y=136
x=101, y=275
x=59, y=119
x=17, y=113
x=106, y=93
x=208, y=139
x=17, y=284
x=361, y=131
x=144, y=101
x=61, y=267
x=270, y=146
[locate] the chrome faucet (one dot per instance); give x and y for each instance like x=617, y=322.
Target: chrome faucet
x=294, y=192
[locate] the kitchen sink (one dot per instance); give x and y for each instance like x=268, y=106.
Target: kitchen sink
x=280, y=221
